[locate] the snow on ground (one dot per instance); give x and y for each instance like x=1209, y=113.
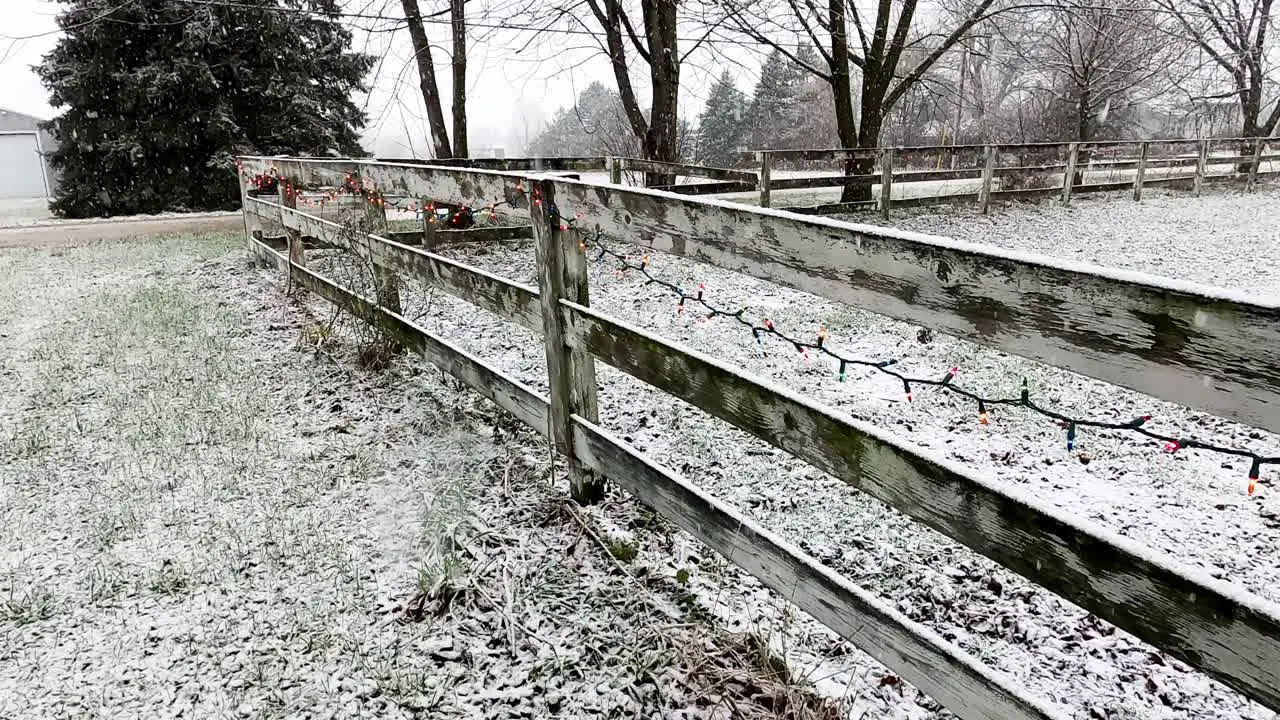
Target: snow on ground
x=1191, y=507
x=208, y=510
x=1226, y=238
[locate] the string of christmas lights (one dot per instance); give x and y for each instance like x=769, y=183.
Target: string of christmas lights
x=818, y=344
x=461, y=218
x=766, y=328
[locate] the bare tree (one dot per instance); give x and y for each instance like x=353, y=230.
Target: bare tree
x=892, y=50
x=1096, y=61
x=1237, y=39
x=655, y=45
x=416, y=23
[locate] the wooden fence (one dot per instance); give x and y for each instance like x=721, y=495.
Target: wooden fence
x=1183, y=343
x=904, y=177
x=913, y=176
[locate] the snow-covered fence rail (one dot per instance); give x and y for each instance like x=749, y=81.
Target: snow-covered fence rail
x=1230, y=635
x=985, y=173
x=729, y=181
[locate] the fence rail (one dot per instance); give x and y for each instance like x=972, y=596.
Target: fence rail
x=1228, y=634
x=1075, y=168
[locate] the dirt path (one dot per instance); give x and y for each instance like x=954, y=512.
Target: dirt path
x=73, y=235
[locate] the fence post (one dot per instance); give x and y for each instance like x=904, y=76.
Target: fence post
x=1069, y=176
x=615, y=169
x=766, y=172
x=386, y=286
x=1201, y=160
x=886, y=182
x=251, y=224
x=562, y=275
x=289, y=199
x=1143, y=149
x=988, y=172
x=1258, y=144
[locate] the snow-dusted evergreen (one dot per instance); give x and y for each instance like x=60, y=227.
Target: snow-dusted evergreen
x=156, y=101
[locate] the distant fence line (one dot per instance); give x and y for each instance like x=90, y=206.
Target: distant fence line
x=1179, y=342
x=979, y=174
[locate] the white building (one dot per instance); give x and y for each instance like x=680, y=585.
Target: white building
x=26, y=173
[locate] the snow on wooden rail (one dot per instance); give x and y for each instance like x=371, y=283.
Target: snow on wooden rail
x=935, y=666
x=1230, y=635
x=1190, y=344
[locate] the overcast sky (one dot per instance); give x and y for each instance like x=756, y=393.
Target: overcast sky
x=510, y=95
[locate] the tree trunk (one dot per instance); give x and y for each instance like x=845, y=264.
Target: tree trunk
x=427, y=79
x=859, y=190
x=664, y=73
x=458, y=20
x=842, y=94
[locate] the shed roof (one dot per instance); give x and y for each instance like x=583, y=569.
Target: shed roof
x=13, y=120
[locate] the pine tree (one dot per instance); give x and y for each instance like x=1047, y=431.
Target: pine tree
x=596, y=124
x=776, y=97
x=723, y=124
x=159, y=95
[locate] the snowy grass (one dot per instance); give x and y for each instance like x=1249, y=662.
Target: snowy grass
x=1226, y=238
x=207, y=510
x=1191, y=506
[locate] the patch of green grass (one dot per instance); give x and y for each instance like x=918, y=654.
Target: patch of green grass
x=622, y=549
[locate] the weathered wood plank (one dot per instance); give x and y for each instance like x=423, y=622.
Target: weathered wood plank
x=708, y=188
x=1201, y=162
x=886, y=182
x=456, y=237
x=1215, y=627
x=832, y=208
x=1069, y=174
x=513, y=301
x=988, y=172
x=1210, y=349
x=689, y=170
x=917, y=654
x=448, y=185
x=804, y=183
x=571, y=373
x=509, y=394
x=1143, y=150
x=531, y=165
x=813, y=154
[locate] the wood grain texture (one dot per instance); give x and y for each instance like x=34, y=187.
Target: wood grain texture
x=1182, y=345
x=504, y=298
x=443, y=238
x=917, y=654
x=571, y=375
x=449, y=185
x=1232, y=636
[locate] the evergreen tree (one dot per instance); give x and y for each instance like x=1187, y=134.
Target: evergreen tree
x=774, y=104
x=159, y=95
x=596, y=124
x=722, y=125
